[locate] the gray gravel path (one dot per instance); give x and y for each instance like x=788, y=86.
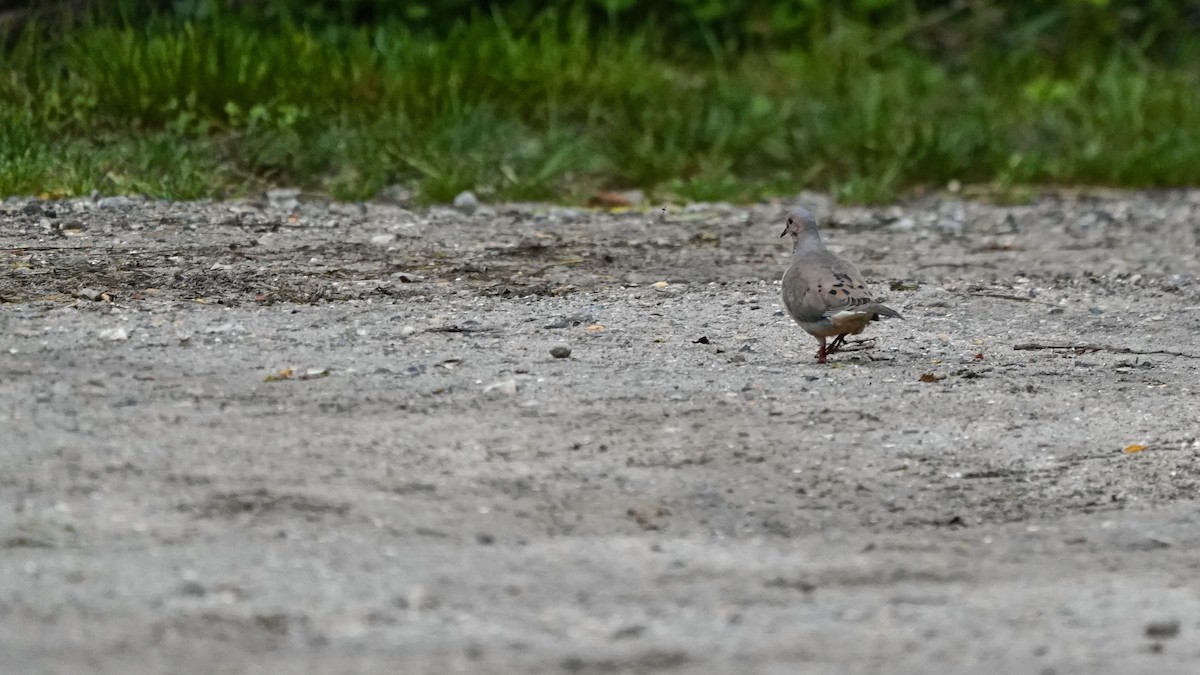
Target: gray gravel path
x=424, y=488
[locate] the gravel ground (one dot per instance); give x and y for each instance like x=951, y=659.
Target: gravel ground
x=289, y=435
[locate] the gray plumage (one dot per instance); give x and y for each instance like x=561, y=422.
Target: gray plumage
x=826, y=295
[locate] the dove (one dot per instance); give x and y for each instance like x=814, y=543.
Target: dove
x=826, y=295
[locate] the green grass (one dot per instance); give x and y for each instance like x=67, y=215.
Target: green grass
x=561, y=107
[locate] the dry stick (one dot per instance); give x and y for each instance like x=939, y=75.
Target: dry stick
x=860, y=345
x=943, y=264
x=560, y=263
x=1103, y=348
x=18, y=249
x=1006, y=296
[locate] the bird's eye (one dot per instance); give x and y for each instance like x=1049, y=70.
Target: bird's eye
x=789, y=221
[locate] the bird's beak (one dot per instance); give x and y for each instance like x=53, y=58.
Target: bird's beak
x=784, y=233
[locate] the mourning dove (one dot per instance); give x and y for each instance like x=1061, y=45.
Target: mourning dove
x=826, y=295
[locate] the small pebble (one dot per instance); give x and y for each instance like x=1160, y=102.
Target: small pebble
x=395, y=194
x=466, y=201
x=283, y=194
x=286, y=199
x=560, y=351
x=114, y=334
x=1161, y=630
x=116, y=202
x=193, y=588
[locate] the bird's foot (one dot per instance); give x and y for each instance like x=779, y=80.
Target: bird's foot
x=836, y=344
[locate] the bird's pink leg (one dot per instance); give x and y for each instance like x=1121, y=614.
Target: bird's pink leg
x=821, y=351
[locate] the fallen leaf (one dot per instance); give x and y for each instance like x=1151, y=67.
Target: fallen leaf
x=281, y=375
x=932, y=377
x=1131, y=449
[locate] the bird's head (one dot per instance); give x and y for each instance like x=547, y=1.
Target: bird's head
x=799, y=221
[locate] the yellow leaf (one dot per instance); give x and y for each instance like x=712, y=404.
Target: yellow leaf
x=1130, y=449
x=284, y=374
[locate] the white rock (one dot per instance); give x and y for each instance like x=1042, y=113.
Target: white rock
x=114, y=202
x=505, y=387
x=114, y=334
x=466, y=201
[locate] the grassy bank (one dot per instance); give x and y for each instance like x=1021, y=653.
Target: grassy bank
x=561, y=107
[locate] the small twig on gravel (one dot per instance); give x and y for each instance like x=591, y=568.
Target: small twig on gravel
x=943, y=264
x=1005, y=296
x=19, y=249
x=560, y=263
x=858, y=345
x=1080, y=349
x=460, y=329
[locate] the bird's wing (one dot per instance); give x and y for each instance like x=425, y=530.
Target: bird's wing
x=825, y=287
x=801, y=295
x=840, y=286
